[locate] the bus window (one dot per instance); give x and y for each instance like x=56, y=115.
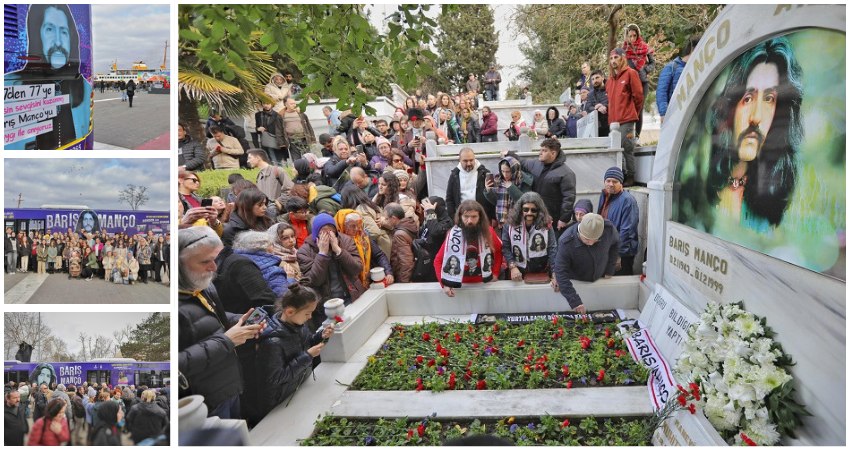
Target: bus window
x=99, y=376
x=47, y=80
x=152, y=378
x=18, y=376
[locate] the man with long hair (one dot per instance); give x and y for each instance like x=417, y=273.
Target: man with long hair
x=753, y=171
x=53, y=56
x=471, y=236
x=529, y=222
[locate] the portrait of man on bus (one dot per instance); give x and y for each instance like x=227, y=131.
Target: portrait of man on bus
x=53, y=59
x=121, y=377
x=43, y=373
x=88, y=222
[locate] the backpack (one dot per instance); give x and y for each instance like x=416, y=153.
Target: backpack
x=423, y=263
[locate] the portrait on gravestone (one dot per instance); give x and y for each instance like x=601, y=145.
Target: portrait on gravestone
x=47, y=86
x=762, y=163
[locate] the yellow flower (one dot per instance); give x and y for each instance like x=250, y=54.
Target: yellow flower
x=371, y=359
x=511, y=421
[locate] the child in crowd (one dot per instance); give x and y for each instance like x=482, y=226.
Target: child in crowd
x=288, y=351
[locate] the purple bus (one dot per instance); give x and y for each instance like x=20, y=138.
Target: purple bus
x=83, y=219
x=113, y=371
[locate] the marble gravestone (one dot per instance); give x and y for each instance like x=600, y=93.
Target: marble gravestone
x=699, y=248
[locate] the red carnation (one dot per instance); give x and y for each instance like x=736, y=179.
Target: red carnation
x=444, y=352
x=566, y=371
x=426, y=337
x=607, y=333
x=419, y=359
x=682, y=390
x=520, y=343
x=496, y=327
x=682, y=400
x=546, y=374
x=452, y=381
x=610, y=343
x=432, y=362
x=409, y=434
x=481, y=385
x=692, y=408
x=555, y=321
x=470, y=328
x=569, y=384
x=457, y=337
x=338, y=319
x=566, y=423
x=421, y=429
x=468, y=375
x=601, y=375
x=439, y=348
x=490, y=339
x=475, y=345
x=694, y=387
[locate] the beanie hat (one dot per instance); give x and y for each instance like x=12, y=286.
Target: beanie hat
x=381, y=140
x=320, y=221
x=401, y=174
x=584, y=205
x=415, y=114
x=591, y=226
x=617, y=51
x=614, y=172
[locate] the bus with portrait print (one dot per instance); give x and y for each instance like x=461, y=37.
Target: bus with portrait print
x=112, y=371
x=48, y=100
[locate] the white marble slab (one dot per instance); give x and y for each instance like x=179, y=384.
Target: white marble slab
x=599, y=402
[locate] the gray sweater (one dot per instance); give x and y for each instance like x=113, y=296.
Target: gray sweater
x=577, y=261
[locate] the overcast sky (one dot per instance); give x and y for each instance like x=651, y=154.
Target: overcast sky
x=508, y=55
x=130, y=33
x=67, y=326
x=84, y=181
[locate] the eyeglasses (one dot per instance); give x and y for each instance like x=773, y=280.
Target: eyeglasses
x=194, y=180
x=398, y=160
x=524, y=209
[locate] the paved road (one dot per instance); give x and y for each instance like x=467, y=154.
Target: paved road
x=34, y=288
x=116, y=125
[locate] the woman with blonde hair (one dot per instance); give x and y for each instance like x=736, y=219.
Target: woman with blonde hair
x=146, y=419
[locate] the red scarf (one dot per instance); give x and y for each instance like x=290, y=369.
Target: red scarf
x=636, y=53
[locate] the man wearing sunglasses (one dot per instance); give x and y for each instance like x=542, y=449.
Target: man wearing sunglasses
x=586, y=252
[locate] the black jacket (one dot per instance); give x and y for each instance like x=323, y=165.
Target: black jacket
x=453, y=192
x=146, y=420
x=556, y=184
x=191, y=154
x=40, y=405
x=273, y=123
x=15, y=424
x=7, y=244
x=577, y=261
x=557, y=126
x=474, y=129
x=241, y=286
x=233, y=227
x=597, y=97
x=284, y=361
x=207, y=358
x=131, y=87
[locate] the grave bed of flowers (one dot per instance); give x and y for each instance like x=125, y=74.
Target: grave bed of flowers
x=544, y=354
x=544, y=430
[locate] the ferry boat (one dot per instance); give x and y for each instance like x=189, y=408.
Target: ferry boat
x=139, y=72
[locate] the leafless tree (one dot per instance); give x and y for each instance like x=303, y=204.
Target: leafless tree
x=123, y=335
x=97, y=346
x=134, y=196
x=27, y=327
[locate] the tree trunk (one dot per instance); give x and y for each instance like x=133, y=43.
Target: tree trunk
x=612, y=32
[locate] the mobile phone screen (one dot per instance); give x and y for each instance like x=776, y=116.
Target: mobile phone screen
x=206, y=202
x=256, y=317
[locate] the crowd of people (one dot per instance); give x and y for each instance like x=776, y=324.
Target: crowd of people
x=255, y=265
x=88, y=414
x=117, y=258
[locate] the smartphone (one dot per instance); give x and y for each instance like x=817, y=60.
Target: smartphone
x=489, y=178
x=256, y=316
x=206, y=202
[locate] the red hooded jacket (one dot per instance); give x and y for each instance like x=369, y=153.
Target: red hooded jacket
x=625, y=96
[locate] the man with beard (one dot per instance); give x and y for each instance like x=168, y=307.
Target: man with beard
x=467, y=182
x=207, y=352
x=620, y=207
x=597, y=100
x=53, y=60
x=528, y=223
x=753, y=171
x=471, y=238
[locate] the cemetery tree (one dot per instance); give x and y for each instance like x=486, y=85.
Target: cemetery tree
x=25, y=327
x=226, y=51
x=150, y=341
x=134, y=196
x=467, y=43
x=560, y=39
